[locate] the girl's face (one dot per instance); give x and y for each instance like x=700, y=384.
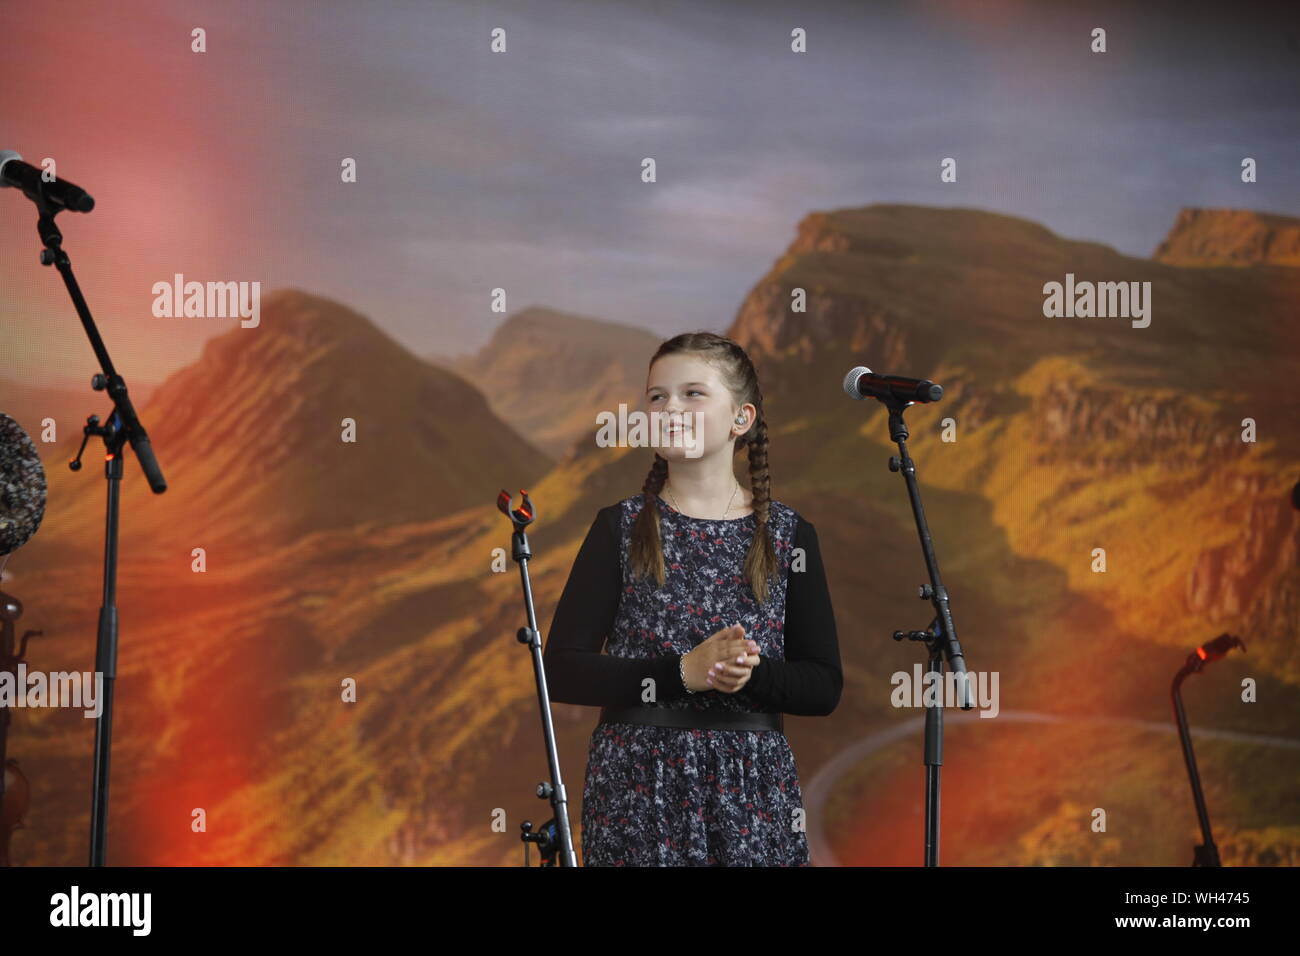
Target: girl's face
x=689, y=394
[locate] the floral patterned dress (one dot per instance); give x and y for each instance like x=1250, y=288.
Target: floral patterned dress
x=664, y=796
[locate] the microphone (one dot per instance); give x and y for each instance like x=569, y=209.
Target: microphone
x=862, y=383
x=58, y=192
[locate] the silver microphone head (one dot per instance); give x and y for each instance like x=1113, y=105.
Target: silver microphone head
x=851, y=382
x=5, y=156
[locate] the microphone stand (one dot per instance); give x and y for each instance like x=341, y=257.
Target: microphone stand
x=554, y=837
x=940, y=637
x=123, y=427
x=1205, y=854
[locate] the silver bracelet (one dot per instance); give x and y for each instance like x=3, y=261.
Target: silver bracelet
x=681, y=668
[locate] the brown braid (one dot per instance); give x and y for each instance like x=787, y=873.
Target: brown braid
x=646, y=549
x=760, y=562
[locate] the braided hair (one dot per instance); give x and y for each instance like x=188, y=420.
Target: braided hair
x=646, y=548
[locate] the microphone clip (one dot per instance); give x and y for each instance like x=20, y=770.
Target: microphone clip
x=521, y=516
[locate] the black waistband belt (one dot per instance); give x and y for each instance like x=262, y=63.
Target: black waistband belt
x=692, y=719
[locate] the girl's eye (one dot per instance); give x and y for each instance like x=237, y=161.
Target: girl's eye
x=694, y=391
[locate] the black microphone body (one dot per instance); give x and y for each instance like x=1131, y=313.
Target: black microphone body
x=14, y=172
x=862, y=383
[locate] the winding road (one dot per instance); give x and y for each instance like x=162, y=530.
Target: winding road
x=819, y=787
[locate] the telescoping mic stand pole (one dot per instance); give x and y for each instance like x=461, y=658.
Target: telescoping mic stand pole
x=554, y=837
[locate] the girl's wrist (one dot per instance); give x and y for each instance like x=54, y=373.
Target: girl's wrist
x=681, y=669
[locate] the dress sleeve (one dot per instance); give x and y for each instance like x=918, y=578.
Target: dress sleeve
x=808, y=682
x=577, y=672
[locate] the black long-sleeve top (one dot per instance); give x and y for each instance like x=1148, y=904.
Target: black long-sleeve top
x=808, y=682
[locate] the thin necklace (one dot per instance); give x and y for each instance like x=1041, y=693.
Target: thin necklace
x=724, y=514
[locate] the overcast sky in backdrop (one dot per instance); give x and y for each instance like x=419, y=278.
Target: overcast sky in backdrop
x=523, y=170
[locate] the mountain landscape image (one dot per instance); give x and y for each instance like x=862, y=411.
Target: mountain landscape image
x=331, y=522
